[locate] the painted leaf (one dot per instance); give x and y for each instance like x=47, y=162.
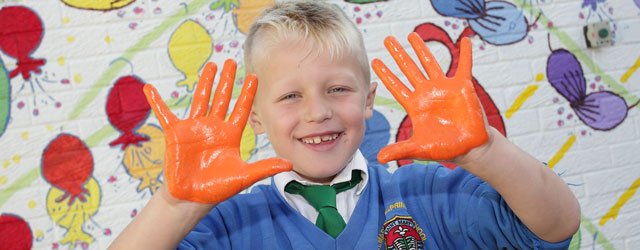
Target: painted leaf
x=566, y=76
x=468, y=9
x=501, y=23
x=602, y=110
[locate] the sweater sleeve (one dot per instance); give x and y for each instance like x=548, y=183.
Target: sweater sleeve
x=465, y=210
x=209, y=233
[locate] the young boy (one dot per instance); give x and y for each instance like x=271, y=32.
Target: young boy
x=313, y=99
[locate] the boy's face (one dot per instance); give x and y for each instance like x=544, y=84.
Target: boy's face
x=312, y=108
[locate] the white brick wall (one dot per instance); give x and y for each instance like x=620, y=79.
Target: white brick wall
x=79, y=46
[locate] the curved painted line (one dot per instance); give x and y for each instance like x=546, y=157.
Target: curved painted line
x=593, y=230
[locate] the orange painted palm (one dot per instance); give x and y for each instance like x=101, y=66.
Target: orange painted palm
x=202, y=159
x=447, y=116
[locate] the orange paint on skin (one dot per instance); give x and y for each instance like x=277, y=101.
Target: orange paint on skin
x=202, y=158
x=446, y=110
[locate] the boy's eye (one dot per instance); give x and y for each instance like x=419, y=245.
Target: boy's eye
x=337, y=90
x=288, y=96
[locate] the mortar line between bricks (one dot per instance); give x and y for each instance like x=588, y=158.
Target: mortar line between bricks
x=575, y=49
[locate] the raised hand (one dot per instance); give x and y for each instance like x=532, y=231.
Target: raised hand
x=202, y=159
x=447, y=117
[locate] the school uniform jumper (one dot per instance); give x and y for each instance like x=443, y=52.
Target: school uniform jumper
x=426, y=207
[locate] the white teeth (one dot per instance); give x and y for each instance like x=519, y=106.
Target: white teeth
x=319, y=139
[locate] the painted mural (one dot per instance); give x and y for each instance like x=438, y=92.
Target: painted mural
x=81, y=153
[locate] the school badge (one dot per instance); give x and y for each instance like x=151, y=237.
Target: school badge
x=401, y=232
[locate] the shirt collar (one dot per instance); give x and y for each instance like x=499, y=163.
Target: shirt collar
x=358, y=162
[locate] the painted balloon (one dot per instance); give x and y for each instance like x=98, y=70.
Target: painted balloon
x=67, y=164
x=190, y=46
x=15, y=233
x=248, y=11
x=127, y=109
x=72, y=216
x=602, y=110
x=98, y=4
x=145, y=162
x=21, y=32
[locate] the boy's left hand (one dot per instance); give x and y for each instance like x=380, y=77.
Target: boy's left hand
x=447, y=117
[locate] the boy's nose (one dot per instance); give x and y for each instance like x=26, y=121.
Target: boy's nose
x=317, y=110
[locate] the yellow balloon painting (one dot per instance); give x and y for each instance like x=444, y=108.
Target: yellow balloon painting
x=190, y=46
x=72, y=214
x=146, y=161
x=98, y=4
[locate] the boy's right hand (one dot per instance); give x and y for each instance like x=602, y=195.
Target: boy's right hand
x=202, y=159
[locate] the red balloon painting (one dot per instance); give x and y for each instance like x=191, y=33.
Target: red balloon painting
x=67, y=164
x=14, y=233
x=21, y=32
x=127, y=109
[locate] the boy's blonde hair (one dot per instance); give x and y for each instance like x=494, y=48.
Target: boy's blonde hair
x=323, y=24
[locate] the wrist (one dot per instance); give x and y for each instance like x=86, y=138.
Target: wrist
x=193, y=211
x=479, y=154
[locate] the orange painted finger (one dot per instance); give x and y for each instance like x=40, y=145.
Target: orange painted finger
x=427, y=60
x=202, y=94
x=222, y=97
x=401, y=150
x=160, y=109
x=266, y=168
x=466, y=59
x=404, y=61
x=242, y=109
x=391, y=81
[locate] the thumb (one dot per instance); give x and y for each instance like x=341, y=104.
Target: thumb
x=396, y=151
x=266, y=168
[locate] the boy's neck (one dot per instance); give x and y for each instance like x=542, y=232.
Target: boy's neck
x=323, y=181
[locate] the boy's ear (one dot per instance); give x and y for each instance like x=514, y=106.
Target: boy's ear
x=371, y=95
x=254, y=121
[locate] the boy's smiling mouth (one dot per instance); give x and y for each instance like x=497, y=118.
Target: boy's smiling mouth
x=320, y=139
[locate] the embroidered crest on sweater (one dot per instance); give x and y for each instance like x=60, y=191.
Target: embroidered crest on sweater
x=401, y=232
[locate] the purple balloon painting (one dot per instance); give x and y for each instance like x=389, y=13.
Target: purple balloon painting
x=602, y=110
